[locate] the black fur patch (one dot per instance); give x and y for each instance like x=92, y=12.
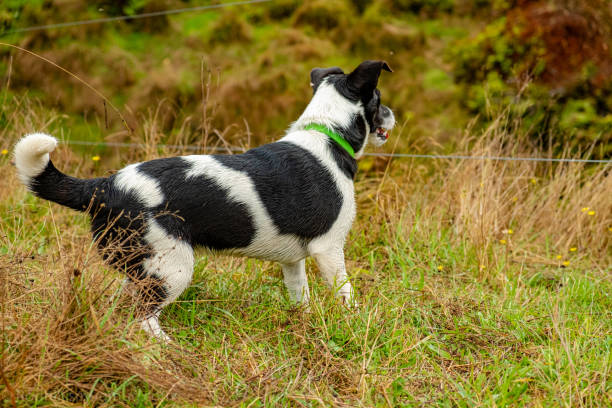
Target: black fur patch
x=118, y=224
x=152, y=292
x=197, y=209
x=299, y=193
x=318, y=74
x=71, y=192
x=353, y=134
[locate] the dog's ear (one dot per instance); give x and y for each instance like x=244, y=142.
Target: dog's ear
x=317, y=75
x=364, y=78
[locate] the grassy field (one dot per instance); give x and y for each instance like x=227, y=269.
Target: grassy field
x=480, y=283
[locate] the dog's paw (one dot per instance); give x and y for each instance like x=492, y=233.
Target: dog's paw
x=151, y=326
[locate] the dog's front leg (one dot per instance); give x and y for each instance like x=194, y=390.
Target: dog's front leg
x=331, y=265
x=294, y=275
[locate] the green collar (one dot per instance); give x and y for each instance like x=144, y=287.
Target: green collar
x=333, y=135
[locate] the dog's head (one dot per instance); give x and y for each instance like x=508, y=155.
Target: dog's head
x=350, y=104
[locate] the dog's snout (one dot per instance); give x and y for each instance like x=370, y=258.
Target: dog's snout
x=386, y=117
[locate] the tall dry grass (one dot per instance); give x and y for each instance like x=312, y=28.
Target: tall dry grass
x=531, y=208
x=69, y=338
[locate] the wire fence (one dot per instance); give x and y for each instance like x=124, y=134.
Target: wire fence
x=235, y=149
x=132, y=17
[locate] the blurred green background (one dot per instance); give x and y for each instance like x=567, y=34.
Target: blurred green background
x=544, y=65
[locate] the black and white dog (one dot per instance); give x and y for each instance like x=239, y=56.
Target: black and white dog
x=282, y=201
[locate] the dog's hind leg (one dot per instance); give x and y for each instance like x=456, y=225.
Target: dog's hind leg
x=168, y=273
x=294, y=275
x=331, y=265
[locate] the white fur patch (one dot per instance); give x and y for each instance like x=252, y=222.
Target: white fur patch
x=389, y=121
x=151, y=326
x=294, y=276
x=172, y=260
x=267, y=243
x=32, y=155
x=145, y=188
x=329, y=108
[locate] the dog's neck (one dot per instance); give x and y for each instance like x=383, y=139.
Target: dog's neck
x=332, y=110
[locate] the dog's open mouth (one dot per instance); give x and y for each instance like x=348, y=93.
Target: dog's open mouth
x=382, y=133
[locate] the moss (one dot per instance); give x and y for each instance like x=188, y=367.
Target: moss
x=230, y=28
x=437, y=80
x=6, y=20
x=420, y=6
x=361, y=5
x=282, y=9
x=325, y=14
x=293, y=45
x=379, y=30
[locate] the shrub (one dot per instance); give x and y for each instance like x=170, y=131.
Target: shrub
x=426, y=6
x=563, y=53
x=230, y=28
x=282, y=9
x=324, y=14
x=389, y=34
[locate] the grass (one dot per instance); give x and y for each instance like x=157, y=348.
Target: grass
x=449, y=314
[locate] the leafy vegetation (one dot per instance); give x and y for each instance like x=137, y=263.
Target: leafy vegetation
x=555, y=59
x=497, y=53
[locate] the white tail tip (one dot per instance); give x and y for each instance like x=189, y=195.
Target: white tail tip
x=32, y=155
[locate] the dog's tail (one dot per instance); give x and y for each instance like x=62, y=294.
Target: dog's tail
x=39, y=175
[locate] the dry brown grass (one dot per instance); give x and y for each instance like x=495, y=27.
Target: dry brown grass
x=533, y=206
x=67, y=340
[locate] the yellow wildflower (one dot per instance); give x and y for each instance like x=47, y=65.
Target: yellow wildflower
x=4, y=152
x=502, y=241
x=585, y=209
x=591, y=212
x=440, y=267
x=96, y=158
x=573, y=249
x=559, y=257
x=566, y=263
x=534, y=181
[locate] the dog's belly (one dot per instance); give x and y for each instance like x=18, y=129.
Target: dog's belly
x=283, y=249
x=236, y=231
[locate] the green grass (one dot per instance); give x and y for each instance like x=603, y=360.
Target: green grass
x=446, y=318
x=433, y=328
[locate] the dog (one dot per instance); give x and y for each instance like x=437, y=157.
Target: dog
x=282, y=201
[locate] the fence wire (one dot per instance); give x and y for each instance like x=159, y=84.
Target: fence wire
x=236, y=149
x=132, y=17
